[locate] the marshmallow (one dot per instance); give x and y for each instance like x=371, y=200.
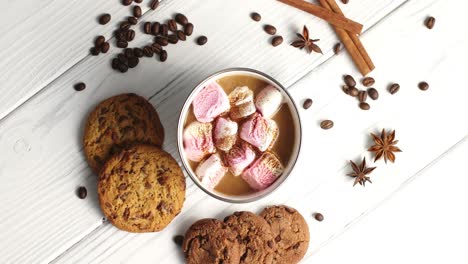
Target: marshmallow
x=198, y=140
x=211, y=171
x=210, y=102
x=259, y=132
x=242, y=103
x=268, y=101
x=239, y=157
x=225, y=133
x=264, y=171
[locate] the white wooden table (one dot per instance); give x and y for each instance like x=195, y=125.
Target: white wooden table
x=414, y=212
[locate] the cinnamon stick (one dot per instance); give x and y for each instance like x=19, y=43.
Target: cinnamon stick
x=327, y=14
x=335, y=8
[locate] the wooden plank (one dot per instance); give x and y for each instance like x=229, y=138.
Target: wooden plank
x=319, y=182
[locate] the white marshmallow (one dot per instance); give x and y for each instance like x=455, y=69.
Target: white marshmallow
x=211, y=171
x=268, y=101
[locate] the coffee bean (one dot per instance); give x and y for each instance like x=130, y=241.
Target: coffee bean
x=137, y=11
x=128, y=52
x=122, y=44
x=156, y=48
x=172, y=25
x=161, y=40
x=163, y=30
x=105, y=47
x=130, y=35
x=148, y=51
x=181, y=35
x=122, y=58
x=394, y=88
x=132, y=20
x=307, y=103
x=138, y=52
x=256, y=16
x=188, y=29
x=127, y=2
x=155, y=28
x=124, y=25
x=95, y=51
x=337, y=48
x=82, y=192
x=362, y=96
x=276, y=41
x=115, y=63
x=179, y=240
x=122, y=68
x=133, y=62
x=99, y=40
x=154, y=4
x=147, y=27
x=318, y=217
x=345, y=89
x=163, y=55
x=138, y=1
x=430, y=21
x=172, y=39
x=181, y=19
x=120, y=34
x=373, y=93
x=79, y=86
x=269, y=29
x=345, y=1
x=202, y=40
x=364, y=106
x=349, y=80
x=423, y=86
x=368, y=81
x=326, y=124
x=353, y=91
x=104, y=19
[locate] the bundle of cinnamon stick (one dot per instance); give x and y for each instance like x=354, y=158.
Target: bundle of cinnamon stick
x=346, y=29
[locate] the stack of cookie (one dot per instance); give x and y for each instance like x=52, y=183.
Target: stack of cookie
x=279, y=234
x=141, y=187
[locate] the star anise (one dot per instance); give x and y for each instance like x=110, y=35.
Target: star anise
x=360, y=172
x=385, y=146
x=305, y=42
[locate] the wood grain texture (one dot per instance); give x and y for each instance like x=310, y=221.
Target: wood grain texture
x=42, y=162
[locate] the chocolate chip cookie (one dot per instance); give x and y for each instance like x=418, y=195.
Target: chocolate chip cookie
x=210, y=241
x=255, y=237
x=119, y=122
x=290, y=231
x=141, y=189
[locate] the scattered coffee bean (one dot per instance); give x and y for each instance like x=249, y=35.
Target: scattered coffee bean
x=179, y=240
x=373, y=93
x=104, y=19
x=276, y=41
x=138, y=52
x=130, y=35
x=364, y=106
x=256, y=16
x=362, y=96
x=137, y=11
x=124, y=25
x=128, y=52
x=156, y=48
x=132, y=20
x=133, y=61
x=105, y=47
x=430, y=21
x=394, y=88
x=164, y=30
x=122, y=58
x=181, y=35
x=147, y=28
x=349, y=80
x=148, y=51
x=122, y=44
x=163, y=55
x=161, y=40
x=318, y=217
x=368, y=81
x=155, y=29
x=188, y=29
x=122, y=68
x=154, y=4
x=202, y=40
x=181, y=19
x=172, y=25
x=353, y=91
x=115, y=63
x=326, y=124
x=138, y=1
x=79, y=86
x=99, y=40
x=95, y=51
x=337, y=48
x=172, y=39
x=269, y=29
x=423, y=86
x=307, y=103
x=127, y=2
x=82, y=192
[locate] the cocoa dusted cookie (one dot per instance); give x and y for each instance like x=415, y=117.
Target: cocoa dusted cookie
x=141, y=189
x=290, y=231
x=117, y=123
x=255, y=237
x=210, y=241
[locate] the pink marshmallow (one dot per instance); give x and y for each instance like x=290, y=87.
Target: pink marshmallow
x=211, y=171
x=198, y=140
x=259, y=131
x=240, y=157
x=264, y=171
x=225, y=133
x=268, y=101
x=210, y=102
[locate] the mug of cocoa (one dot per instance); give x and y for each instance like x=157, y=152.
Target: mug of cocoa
x=239, y=135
